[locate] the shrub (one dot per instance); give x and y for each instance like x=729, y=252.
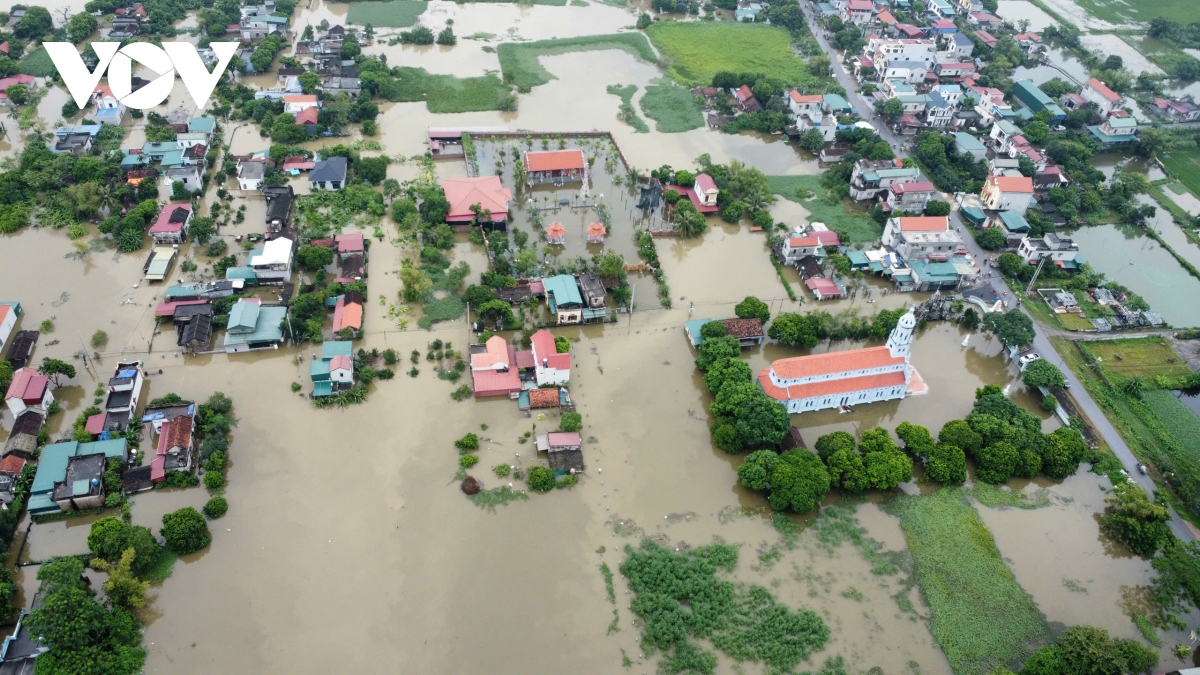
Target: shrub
x=541, y=478
x=470, y=486
x=216, y=507
x=468, y=442
x=468, y=461
x=501, y=470
x=461, y=394
x=571, y=421
x=214, y=480
x=390, y=357
x=185, y=531
x=99, y=339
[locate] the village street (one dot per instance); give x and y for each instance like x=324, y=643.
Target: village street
x=1041, y=341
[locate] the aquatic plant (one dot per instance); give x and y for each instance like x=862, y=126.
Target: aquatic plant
x=501, y=496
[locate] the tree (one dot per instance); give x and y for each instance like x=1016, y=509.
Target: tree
x=57, y=370
x=892, y=109
x=1135, y=520
x=1113, y=62
x=758, y=419
x=917, y=439
x=847, y=471
x=496, y=311
x=570, y=421
x=991, y=239
x=310, y=82
x=1178, y=582
x=797, y=479
x=946, y=464
x=446, y=37
x=688, y=221
x=216, y=507
x=415, y=282
x=811, y=140
x=6, y=375
x=81, y=26
x=713, y=330
x=830, y=443
x=887, y=469
x=644, y=21
x=794, y=330
x=714, y=349
x=727, y=370
x=1037, y=131
x=123, y=588
x=877, y=440
x=1152, y=142
x=313, y=258
x=540, y=478
x=1087, y=650
x=1014, y=329
x=18, y=94
x=185, y=531
x=1042, y=373
x=937, y=208
x=753, y=308
x=756, y=470
x=1134, y=386
x=36, y=23
x=373, y=170
x=997, y=462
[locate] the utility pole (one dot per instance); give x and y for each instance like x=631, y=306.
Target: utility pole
x=85, y=354
x=1036, y=273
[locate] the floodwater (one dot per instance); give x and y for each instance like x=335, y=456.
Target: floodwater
x=1065, y=67
x=1134, y=61
x=348, y=544
x=1022, y=10
x=1172, y=233
x=1126, y=255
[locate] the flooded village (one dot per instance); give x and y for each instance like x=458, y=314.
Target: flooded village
x=600, y=337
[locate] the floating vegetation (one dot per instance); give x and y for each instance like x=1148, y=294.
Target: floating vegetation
x=627, y=528
x=681, y=600
x=1074, y=586
x=853, y=593
x=837, y=525
x=995, y=496
x=613, y=626
x=1147, y=630
x=608, y=582
x=501, y=496
x=731, y=513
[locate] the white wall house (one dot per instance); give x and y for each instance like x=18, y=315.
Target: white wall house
x=550, y=367
x=28, y=390
x=1106, y=99
x=846, y=378
x=1007, y=193
x=274, y=261
x=1051, y=246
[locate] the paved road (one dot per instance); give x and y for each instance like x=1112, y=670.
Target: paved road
x=1041, y=342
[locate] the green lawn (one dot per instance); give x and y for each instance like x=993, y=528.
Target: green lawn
x=38, y=63
x=1146, y=357
x=1072, y=321
x=843, y=216
x=694, y=51
x=449, y=94
x=981, y=617
x=1123, y=11
x=672, y=108
x=1184, y=166
x=394, y=14
x=519, y=60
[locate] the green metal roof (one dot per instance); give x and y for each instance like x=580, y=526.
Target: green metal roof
x=837, y=102
x=319, y=370
x=870, y=176
x=974, y=214
x=1014, y=221
x=897, y=173
x=1107, y=138
x=322, y=388
x=52, y=465
x=334, y=348
x=244, y=315
x=564, y=289
x=693, y=329
x=269, y=328
x=158, y=266
x=933, y=272
x=246, y=273
x=331, y=301
x=202, y=125
x=173, y=158
x=858, y=258
x=968, y=142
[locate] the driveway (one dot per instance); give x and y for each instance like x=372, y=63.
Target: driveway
x=1041, y=342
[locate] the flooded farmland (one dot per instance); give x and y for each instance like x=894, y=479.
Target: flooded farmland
x=348, y=546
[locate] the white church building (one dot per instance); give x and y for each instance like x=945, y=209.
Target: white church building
x=846, y=378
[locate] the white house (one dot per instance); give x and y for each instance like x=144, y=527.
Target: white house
x=550, y=367
x=912, y=197
x=911, y=72
x=870, y=177
x=895, y=227
x=172, y=224
x=812, y=243
x=9, y=311
x=273, y=262
x=1050, y=246
x=799, y=104
x=192, y=177
x=922, y=238
x=341, y=369
x=251, y=173
x=294, y=103
x=706, y=190
x=938, y=111
x=846, y=378
x=1007, y=193
x=858, y=12
x=1106, y=99
x=882, y=50
x=28, y=390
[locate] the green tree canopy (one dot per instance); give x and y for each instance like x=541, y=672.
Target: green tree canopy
x=185, y=530
x=727, y=370
x=1131, y=517
x=714, y=349
x=794, y=329
x=834, y=441
x=946, y=464
x=313, y=258
x=847, y=471
x=1042, y=373
x=59, y=371
x=887, y=469
x=797, y=479
x=753, y=308
x=1014, y=328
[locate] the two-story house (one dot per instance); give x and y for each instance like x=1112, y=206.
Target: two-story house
x=922, y=238
x=1007, y=193
x=871, y=177
x=910, y=197
x=1106, y=99
x=1058, y=249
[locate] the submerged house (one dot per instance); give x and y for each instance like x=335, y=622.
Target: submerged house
x=334, y=371
x=28, y=391
x=485, y=192
x=555, y=166
x=348, y=314
x=550, y=367
x=564, y=450
x=56, y=487
x=254, y=326
x=494, y=368
x=174, y=449
x=749, y=332
x=124, y=391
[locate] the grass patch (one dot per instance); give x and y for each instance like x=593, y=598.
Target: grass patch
x=521, y=68
x=1183, y=11
x=1176, y=187
x=840, y=215
x=695, y=51
x=1146, y=357
x=628, y=115
x=501, y=496
x=1178, y=419
x=982, y=618
x=442, y=309
x=995, y=496
x=38, y=64
x=447, y=93
x=682, y=600
x=672, y=108
x=838, y=525
x=393, y=14
x=1073, y=321
x=162, y=567
x=1182, y=163
x=1147, y=630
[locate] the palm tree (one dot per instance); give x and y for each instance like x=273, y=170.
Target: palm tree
x=105, y=199
x=1134, y=387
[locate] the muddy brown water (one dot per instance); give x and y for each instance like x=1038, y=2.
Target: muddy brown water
x=348, y=544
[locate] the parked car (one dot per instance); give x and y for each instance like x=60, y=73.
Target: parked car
x=1028, y=359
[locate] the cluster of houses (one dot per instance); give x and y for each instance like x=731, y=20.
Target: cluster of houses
x=333, y=371
x=1122, y=317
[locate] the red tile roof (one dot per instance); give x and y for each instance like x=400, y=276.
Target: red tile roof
x=564, y=438
x=819, y=238
x=924, y=224
x=350, y=243
x=543, y=398
x=828, y=387
x=1103, y=90
x=943, y=23
x=744, y=93
x=176, y=433
x=1012, y=183
x=801, y=98
x=13, y=463
x=524, y=359
x=172, y=218
x=556, y=230
x=704, y=183
x=307, y=116
x=554, y=160
x=596, y=229
x=95, y=423
x=28, y=386
x=496, y=383
x=300, y=98
x=835, y=362
x=497, y=353
x=486, y=191
x=743, y=328
x=168, y=308
x=340, y=362
x=823, y=286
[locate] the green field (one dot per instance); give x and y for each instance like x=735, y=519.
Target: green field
x=1163, y=54
x=1184, y=166
x=449, y=94
x=394, y=14
x=672, y=108
x=841, y=216
x=1123, y=11
x=694, y=51
x=38, y=63
x=1146, y=357
x=981, y=617
x=519, y=60
x=628, y=114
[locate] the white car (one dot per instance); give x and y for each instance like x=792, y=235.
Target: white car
x=1029, y=358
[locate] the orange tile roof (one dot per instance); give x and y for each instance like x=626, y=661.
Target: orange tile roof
x=176, y=433
x=835, y=362
x=828, y=387
x=800, y=98
x=1013, y=183
x=924, y=224
x=486, y=191
x=596, y=229
x=12, y=464
x=300, y=98
x=554, y=160
x=1103, y=90
x=497, y=352
x=556, y=230
x=543, y=398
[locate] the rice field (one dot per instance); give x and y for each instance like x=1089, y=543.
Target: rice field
x=38, y=64
x=449, y=94
x=981, y=617
x=1122, y=11
x=694, y=51
x=394, y=14
x=1146, y=357
x=1183, y=165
